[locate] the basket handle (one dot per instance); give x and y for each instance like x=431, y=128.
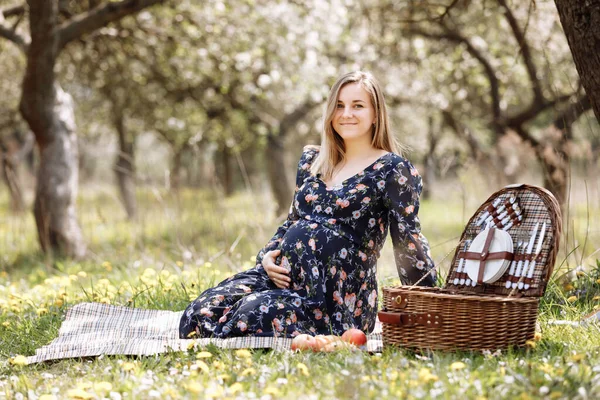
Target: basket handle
x=429, y=319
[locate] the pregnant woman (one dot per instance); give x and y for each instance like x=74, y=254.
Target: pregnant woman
x=317, y=275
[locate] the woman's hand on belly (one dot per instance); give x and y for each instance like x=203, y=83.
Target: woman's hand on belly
x=277, y=274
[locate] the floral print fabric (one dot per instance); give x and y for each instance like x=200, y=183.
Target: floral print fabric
x=330, y=243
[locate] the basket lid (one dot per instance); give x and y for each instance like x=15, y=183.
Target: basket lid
x=524, y=223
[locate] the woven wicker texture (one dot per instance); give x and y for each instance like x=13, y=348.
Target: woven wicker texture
x=538, y=206
x=487, y=316
x=468, y=321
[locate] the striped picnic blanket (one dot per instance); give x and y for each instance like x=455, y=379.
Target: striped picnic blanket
x=93, y=329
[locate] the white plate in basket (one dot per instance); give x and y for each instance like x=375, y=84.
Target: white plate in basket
x=494, y=269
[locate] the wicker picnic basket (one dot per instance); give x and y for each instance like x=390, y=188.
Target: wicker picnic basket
x=487, y=316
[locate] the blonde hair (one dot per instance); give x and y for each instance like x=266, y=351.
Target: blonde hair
x=333, y=149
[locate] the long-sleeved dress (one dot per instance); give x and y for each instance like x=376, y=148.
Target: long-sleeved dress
x=330, y=243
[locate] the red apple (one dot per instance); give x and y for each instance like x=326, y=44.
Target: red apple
x=338, y=345
x=304, y=342
x=324, y=340
x=355, y=336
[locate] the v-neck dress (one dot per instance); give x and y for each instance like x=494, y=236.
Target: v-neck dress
x=330, y=243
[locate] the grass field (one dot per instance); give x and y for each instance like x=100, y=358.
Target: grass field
x=183, y=244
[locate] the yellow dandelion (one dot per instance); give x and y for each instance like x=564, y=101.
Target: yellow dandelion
x=272, y=391
x=6, y=324
x=179, y=263
x=128, y=366
x=204, y=354
x=568, y=287
x=79, y=394
x=457, y=365
x=598, y=280
x=243, y=353
x=217, y=364
x=165, y=274
x=580, y=273
x=18, y=360
x=223, y=377
x=537, y=336
x=195, y=387
x=59, y=302
x=73, y=278
x=84, y=385
x=572, y=299
x=547, y=368
x=191, y=345
x=192, y=334
x=303, y=369
x=248, y=371
x=202, y=366
x=426, y=376
x=41, y=311
x=236, y=387
x=531, y=344
x=556, y=395
x=596, y=298
x=102, y=387
x=577, y=357
x=82, y=274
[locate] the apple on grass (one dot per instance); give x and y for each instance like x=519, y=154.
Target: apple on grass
x=351, y=339
x=355, y=336
x=304, y=342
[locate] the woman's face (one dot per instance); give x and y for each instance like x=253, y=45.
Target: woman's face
x=355, y=115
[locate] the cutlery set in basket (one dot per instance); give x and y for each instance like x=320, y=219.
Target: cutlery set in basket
x=499, y=271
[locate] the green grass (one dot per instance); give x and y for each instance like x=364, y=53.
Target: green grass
x=183, y=244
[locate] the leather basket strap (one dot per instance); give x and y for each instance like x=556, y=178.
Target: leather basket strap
x=499, y=255
x=433, y=320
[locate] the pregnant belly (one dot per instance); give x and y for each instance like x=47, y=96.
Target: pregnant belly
x=309, y=251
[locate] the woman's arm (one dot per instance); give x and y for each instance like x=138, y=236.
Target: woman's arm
x=309, y=153
x=411, y=248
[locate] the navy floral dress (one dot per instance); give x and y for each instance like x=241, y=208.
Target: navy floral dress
x=330, y=243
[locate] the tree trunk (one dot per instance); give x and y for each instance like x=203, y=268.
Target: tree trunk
x=429, y=161
x=227, y=176
x=555, y=169
x=13, y=150
x=11, y=178
x=276, y=170
x=49, y=112
x=581, y=24
x=56, y=191
x=125, y=164
x=176, y=166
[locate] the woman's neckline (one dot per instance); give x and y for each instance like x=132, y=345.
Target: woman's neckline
x=359, y=173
